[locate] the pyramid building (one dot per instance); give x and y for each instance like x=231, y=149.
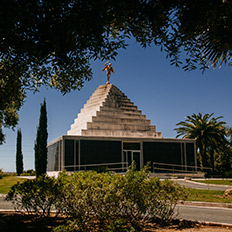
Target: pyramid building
x=111, y=132
x=109, y=113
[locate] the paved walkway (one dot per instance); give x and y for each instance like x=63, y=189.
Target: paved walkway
x=205, y=214
x=197, y=185
x=5, y=205
x=201, y=213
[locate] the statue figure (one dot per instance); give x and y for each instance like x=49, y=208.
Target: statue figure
x=108, y=69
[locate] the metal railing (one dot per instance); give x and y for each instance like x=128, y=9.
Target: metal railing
x=120, y=166
x=172, y=168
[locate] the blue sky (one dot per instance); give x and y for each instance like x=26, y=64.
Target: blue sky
x=164, y=93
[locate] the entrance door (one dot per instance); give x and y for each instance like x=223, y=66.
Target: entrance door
x=130, y=156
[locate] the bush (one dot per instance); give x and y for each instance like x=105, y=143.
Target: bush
x=29, y=172
x=101, y=169
x=36, y=196
x=106, y=201
x=111, y=201
x=1, y=173
x=228, y=174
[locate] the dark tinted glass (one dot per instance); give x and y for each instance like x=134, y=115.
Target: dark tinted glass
x=96, y=152
x=131, y=146
x=162, y=153
x=69, y=155
x=190, y=154
x=53, y=156
x=168, y=153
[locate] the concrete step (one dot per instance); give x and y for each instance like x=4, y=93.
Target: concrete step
x=120, y=106
x=100, y=93
x=121, y=109
x=90, y=106
x=121, y=120
x=118, y=133
x=87, y=113
x=108, y=102
x=119, y=114
x=96, y=100
x=114, y=126
x=118, y=97
x=87, y=109
x=115, y=104
x=109, y=112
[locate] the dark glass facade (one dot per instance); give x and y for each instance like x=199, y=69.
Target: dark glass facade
x=131, y=146
x=100, y=152
x=54, y=156
x=162, y=152
x=86, y=154
x=190, y=156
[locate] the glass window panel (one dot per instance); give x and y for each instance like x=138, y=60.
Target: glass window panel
x=99, y=152
x=53, y=156
x=131, y=146
x=69, y=155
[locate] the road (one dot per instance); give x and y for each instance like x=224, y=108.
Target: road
x=205, y=214
x=194, y=213
x=196, y=185
x=5, y=205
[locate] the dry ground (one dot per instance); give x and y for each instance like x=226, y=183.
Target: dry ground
x=199, y=229
x=11, y=222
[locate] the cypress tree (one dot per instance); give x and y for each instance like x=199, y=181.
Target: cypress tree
x=41, y=142
x=19, y=154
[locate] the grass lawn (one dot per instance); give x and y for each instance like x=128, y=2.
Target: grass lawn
x=7, y=181
x=222, y=182
x=208, y=196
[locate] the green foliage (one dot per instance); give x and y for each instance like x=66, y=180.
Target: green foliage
x=119, y=225
x=93, y=200
x=19, y=154
x=228, y=174
x=113, y=201
x=36, y=196
x=101, y=169
x=210, y=135
x=12, y=95
x=1, y=173
x=41, y=142
x=68, y=227
x=29, y=172
x=53, y=43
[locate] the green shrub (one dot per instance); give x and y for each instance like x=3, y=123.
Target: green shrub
x=29, y=172
x=228, y=174
x=70, y=226
x=1, y=173
x=36, y=196
x=101, y=169
x=108, y=201
x=9, y=174
x=111, y=201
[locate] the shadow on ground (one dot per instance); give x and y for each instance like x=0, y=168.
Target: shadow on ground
x=12, y=221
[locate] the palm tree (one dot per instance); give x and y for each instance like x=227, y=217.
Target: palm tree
x=208, y=131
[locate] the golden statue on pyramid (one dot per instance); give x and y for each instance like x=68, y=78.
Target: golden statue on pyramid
x=108, y=68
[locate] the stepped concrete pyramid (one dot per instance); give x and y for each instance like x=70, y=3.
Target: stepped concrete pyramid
x=109, y=113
